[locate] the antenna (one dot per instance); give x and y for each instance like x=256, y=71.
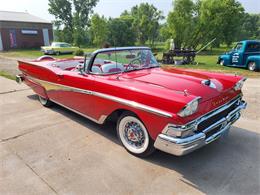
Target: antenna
x=115, y=50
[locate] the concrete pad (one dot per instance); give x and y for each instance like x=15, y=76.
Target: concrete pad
x=17, y=177
x=7, y=85
x=75, y=159
x=44, y=151
x=251, y=92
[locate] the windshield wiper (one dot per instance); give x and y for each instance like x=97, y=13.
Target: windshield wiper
x=142, y=68
x=153, y=66
x=130, y=70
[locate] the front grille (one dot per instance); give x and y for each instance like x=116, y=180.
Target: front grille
x=213, y=131
x=213, y=119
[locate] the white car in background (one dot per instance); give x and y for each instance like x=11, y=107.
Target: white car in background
x=59, y=48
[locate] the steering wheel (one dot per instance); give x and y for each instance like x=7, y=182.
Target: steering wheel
x=131, y=63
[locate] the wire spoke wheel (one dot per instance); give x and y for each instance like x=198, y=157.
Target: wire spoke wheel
x=134, y=136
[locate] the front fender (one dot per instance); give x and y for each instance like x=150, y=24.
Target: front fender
x=226, y=58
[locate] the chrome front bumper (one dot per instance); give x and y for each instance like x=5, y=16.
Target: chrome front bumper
x=182, y=146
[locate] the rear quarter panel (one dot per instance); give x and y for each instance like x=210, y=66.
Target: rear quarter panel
x=39, y=71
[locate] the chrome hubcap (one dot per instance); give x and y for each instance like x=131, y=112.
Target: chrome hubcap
x=134, y=134
x=252, y=66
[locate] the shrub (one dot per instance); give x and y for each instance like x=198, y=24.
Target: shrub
x=79, y=52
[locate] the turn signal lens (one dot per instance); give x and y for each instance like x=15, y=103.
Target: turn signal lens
x=180, y=131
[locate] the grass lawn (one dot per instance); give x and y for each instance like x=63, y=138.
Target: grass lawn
x=7, y=75
x=208, y=63
x=35, y=53
x=205, y=61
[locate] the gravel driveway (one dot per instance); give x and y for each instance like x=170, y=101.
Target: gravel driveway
x=9, y=64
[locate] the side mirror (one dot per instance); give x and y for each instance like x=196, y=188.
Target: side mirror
x=80, y=68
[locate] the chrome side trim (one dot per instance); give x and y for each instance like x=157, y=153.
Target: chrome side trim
x=105, y=96
x=101, y=119
x=133, y=104
x=49, y=86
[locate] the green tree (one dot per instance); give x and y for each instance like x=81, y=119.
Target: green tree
x=250, y=27
x=180, y=22
x=62, y=11
x=221, y=19
x=121, y=32
x=98, y=30
x=74, y=23
x=146, y=19
x=83, y=8
x=193, y=23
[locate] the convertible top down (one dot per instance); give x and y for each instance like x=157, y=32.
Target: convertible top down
x=173, y=110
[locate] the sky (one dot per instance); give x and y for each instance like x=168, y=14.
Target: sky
x=108, y=8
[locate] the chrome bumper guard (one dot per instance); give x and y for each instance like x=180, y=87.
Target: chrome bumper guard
x=182, y=146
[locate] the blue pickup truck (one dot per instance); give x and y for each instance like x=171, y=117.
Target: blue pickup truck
x=245, y=54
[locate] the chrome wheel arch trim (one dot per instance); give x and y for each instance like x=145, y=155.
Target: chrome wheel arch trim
x=46, y=85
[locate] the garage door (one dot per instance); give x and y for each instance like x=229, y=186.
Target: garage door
x=46, y=36
x=1, y=43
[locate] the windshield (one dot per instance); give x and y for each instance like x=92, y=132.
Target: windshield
x=123, y=61
x=238, y=46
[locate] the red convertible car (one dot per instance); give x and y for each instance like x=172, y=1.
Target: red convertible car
x=173, y=110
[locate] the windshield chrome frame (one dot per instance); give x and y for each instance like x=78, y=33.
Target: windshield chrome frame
x=87, y=66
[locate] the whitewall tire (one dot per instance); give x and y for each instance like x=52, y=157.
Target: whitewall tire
x=134, y=135
x=45, y=102
x=222, y=62
x=252, y=66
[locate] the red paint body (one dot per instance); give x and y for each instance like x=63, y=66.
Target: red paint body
x=158, y=88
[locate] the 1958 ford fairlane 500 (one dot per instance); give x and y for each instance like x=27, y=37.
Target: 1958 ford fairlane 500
x=173, y=110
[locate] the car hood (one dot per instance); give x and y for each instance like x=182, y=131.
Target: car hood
x=190, y=82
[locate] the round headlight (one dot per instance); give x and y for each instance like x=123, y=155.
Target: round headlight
x=238, y=86
x=190, y=108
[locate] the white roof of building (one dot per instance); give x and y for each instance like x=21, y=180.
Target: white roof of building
x=20, y=17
